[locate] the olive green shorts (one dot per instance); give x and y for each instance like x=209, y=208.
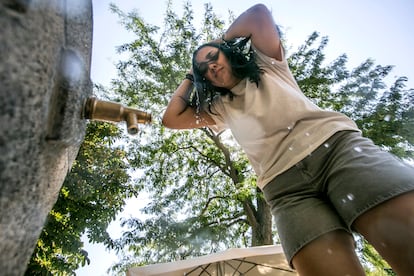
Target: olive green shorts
x=329, y=189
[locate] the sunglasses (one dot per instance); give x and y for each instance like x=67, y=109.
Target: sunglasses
x=202, y=67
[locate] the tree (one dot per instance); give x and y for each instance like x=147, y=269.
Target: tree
x=203, y=192
x=92, y=194
x=202, y=188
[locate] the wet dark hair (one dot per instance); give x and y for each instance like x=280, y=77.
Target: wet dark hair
x=242, y=60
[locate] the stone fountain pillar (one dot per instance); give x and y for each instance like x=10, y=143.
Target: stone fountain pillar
x=45, y=57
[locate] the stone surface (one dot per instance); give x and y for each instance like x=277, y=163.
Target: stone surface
x=45, y=52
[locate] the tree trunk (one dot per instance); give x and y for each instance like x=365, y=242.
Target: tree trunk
x=262, y=230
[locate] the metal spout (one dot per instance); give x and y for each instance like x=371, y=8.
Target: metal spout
x=105, y=111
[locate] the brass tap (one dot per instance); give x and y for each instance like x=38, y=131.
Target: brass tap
x=105, y=111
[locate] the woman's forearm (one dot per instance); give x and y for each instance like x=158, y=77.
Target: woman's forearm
x=179, y=101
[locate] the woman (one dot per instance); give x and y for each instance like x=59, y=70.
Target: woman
x=321, y=178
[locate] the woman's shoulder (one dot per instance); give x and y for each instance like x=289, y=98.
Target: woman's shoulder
x=272, y=65
x=263, y=60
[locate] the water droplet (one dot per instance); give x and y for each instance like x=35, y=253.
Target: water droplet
x=273, y=62
x=357, y=149
x=290, y=148
x=343, y=200
x=326, y=145
x=291, y=126
x=350, y=196
x=198, y=105
x=330, y=251
x=387, y=118
x=307, y=134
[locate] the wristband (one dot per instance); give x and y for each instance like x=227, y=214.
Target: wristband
x=189, y=77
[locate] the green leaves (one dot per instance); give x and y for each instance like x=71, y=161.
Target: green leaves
x=93, y=193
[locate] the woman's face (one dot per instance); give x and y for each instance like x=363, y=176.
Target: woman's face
x=215, y=67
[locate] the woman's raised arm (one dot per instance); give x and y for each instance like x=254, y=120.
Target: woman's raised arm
x=258, y=24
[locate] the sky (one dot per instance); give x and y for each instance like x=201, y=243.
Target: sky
x=377, y=29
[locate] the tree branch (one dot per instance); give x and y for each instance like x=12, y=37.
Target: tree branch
x=209, y=201
x=232, y=172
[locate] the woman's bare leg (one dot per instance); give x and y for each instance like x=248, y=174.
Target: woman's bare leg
x=389, y=227
x=331, y=254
